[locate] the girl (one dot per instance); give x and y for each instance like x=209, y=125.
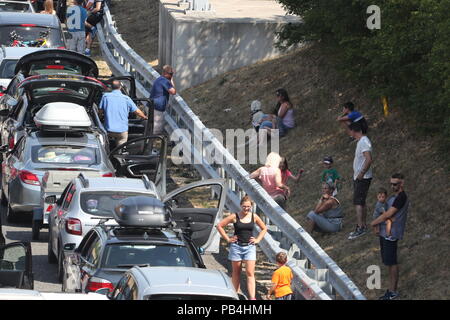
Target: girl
x=286, y=174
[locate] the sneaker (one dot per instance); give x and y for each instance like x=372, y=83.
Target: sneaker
x=87, y=52
x=389, y=295
x=357, y=233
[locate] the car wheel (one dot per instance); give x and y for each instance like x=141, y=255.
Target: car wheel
x=60, y=266
x=35, y=229
x=50, y=255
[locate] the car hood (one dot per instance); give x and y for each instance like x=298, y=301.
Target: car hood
x=57, y=57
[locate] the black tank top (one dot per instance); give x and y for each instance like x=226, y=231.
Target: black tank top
x=244, y=231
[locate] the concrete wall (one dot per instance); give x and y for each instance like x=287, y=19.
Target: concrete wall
x=200, y=49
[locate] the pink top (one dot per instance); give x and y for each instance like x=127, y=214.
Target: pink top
x=267, y=177
x=285, y=174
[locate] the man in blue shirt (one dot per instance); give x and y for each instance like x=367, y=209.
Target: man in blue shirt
x=161, y=89
x=76, y=18
x=116, y=106
x=351, y=115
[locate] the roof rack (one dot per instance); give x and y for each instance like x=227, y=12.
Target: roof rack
x=84, y=180
x=146, y=181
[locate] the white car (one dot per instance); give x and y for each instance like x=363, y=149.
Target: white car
x=8, y=60
x=22, y=294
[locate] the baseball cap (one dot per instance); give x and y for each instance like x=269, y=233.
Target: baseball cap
x=328, y=160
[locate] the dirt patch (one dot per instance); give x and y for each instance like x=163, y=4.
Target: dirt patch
x=317, y=91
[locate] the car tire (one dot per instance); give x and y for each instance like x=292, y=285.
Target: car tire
x=60, y=266
x=35, y=229
x=50, y=255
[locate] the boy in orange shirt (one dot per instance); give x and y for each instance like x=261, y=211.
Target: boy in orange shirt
x=281, y=279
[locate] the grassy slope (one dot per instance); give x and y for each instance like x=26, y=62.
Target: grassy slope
x=316, y=92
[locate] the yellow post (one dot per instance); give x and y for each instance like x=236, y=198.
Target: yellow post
x=385, y=106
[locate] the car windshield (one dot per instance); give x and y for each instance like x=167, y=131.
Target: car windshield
x=7, y=68
x=186, y=297
x=31, y=36
x=127, y=255
x=15, y=7
x=79, y=155
x=103, y=203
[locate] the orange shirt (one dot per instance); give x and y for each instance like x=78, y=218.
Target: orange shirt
x=282, y=277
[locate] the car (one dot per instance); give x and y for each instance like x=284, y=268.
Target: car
x=31, y=29
x=40, y=151
x=24, y=294
x=41, y=61
x=38, y=91
x=9, y=56
x=16, y=6
x=150, y=232
x=83, y=200
x=16, y=266
x=173, y=283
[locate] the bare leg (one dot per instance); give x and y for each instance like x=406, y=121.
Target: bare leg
x=250, y=271
x=236, y=274
x=393, y=277
x=361, y=213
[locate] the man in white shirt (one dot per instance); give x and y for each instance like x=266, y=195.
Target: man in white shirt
x=362, y=176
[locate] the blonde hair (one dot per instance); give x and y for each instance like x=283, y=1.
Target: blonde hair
x=273, y=160
x=48, y=6
x=167, y=69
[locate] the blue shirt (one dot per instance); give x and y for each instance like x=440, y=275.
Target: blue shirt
x=76, y=17
x=116, y=107
x=160, y=93
x=354, y=116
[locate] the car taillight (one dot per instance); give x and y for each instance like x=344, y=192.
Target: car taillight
x=28, y=25
x=109, y=174
x=11, y=142
x=49, y=208
x=61, y=48
x=73, y=226
x=29, y=178
x=58, y=67
x=1, y=94
x=95, y=284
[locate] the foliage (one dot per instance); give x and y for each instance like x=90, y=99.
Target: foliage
x=407, y=60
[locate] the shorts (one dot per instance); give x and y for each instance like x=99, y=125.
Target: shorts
x=360, y=189
x=286, y=297
x=77, y=42
x=388, y=250
x=239, y=253
x=322, y=224
x=118, y=137
x=266, y=124
x=93, y=19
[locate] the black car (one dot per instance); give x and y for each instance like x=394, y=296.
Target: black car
x=16, y=266
x=150, y=232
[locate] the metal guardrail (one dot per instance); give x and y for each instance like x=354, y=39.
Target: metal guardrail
x=316, y=275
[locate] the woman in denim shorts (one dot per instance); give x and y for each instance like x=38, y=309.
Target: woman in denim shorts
x=243, y=244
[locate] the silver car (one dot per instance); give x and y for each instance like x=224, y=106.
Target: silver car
x=38, y=152
x=81, y=206
x=16, y=6
x=173, y=283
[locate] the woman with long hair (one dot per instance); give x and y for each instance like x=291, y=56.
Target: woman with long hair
x=48, y=7
x=283, y=114
x=243, y=244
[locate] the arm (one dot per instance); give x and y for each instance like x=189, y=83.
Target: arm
x=324, y=205
x=283, y=109
x=343, y=118
x=172, y=90
x=97, y=8
x=298, y=176
x=222, y=224
x=255, y=174
x=383, y=217
x=263, y=232
x=367, y=163
x=139, y=113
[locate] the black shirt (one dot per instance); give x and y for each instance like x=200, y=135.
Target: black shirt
x=400, y=200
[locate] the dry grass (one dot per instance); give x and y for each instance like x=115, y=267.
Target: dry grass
x=316, y=91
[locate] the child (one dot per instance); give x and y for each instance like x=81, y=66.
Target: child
x=330, y=175
x=281, y=279
x=380, y=207
x=76, y=18
x=257, y=114
x=286, y=174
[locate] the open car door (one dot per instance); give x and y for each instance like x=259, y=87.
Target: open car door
x=16, y=266
x=146, y=155
x=197, y=208
x=137, y=127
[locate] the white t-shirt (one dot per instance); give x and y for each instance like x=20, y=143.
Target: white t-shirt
x=363, y=145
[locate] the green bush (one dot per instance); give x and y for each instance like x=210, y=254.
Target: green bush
x=407, y=60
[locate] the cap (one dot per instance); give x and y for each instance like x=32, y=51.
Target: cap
x=255, y=106
x=328, y=160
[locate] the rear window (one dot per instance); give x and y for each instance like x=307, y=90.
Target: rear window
x=127, y=255
x=76, y=91
x=43, y=68
x=31, y=36
x=7, y=69
x=15, y=7
x=103, y=203
x=65, y=155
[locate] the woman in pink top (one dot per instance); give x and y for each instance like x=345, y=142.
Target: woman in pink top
x=270, y=177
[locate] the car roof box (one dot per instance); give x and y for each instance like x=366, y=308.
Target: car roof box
x=142, y=211
x=62, y=116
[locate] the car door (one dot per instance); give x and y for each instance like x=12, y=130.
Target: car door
x=16, y=265
x=90, y=259
x=10, y=122
x=146, y=155
x=197, y=209
x=61, y=214
x=12, y=165
x=55, y=218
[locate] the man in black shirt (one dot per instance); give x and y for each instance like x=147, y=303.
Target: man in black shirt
x=95, y=17
x=388, y=243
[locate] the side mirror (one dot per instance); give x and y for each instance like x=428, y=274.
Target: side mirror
x=50, y=200
x=4, y=148
x=201, y=251
x=4, y=112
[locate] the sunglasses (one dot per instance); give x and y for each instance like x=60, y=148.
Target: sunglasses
x=395, y=184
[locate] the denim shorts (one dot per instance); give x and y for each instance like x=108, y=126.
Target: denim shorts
x=239, y=253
